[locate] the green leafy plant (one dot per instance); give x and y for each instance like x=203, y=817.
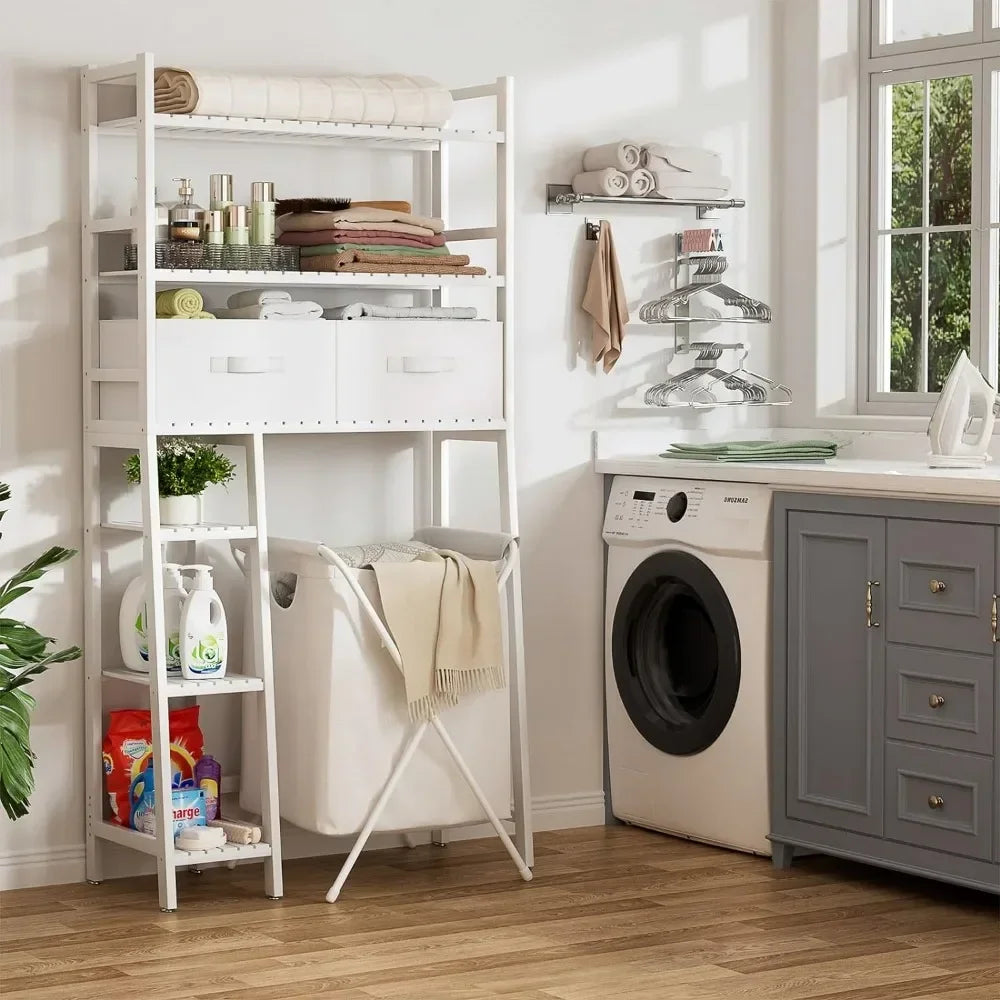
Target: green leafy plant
x=24, y=654
x=185, y=467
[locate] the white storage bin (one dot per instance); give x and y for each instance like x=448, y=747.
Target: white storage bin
x=342, y=718
x=419, y=371
x=226, y=372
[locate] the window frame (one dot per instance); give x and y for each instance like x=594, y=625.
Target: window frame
x=971, y=53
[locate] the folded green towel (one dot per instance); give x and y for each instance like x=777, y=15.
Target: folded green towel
x=186, y=302
x=755, y=451
x=376, y=248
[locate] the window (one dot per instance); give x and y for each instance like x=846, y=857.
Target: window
x=930, y=267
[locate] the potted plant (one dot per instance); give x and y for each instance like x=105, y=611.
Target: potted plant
x=185, y=467
x=23, y=656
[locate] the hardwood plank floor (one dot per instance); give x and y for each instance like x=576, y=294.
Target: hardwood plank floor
x=612, y=913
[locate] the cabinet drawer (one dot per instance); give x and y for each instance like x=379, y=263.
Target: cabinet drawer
x=419, y=371
x=939, y=698
x=230, y=371
x=939, y=799
x=940, y=584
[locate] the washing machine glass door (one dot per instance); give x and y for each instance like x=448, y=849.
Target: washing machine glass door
x=676, y=652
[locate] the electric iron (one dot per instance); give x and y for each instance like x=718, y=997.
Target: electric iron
x=962, y=424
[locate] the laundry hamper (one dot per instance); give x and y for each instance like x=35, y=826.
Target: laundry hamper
x=341, y=712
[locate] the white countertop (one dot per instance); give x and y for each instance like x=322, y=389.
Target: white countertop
x=856, y=475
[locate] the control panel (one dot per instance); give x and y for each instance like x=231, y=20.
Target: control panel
x=715, y=516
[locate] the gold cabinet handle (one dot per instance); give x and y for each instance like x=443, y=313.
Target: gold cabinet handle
x=938, y=586
x=868, y=604
x=935, y=801
x=993, y=619
x=936, y=700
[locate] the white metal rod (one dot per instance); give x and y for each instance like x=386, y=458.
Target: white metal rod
x=105, y=74
x=471, y=93
x=923, y=347
x=458, y=235
x=376, y=811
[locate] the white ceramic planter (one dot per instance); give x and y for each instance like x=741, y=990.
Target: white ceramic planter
x=180, y=510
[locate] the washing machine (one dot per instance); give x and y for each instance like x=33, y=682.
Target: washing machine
x=687, y=658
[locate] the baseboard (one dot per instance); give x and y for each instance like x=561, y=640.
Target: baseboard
x=59, y=865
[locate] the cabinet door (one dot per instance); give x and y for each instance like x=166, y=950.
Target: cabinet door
x=836, y=669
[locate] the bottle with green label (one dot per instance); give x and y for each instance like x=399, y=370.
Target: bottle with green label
x=203, y=634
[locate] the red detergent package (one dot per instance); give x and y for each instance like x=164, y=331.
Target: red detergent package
x=128, y=751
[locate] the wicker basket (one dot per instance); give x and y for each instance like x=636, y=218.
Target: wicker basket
x=196, y=256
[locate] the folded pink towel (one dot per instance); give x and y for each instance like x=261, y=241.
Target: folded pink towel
x=321, y=236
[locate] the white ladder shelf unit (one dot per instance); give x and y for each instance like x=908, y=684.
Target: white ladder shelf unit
x=431, y=439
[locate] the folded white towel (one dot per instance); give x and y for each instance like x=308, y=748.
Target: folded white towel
x=274, y=310
x=366, y=310
x=669, y=179
x=641, y=183
x=693, y=193
x=257, y=297
x=689, y=158
x=601, y=182
x=620, y=155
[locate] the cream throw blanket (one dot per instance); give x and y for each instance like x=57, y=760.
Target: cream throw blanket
x=443, y=611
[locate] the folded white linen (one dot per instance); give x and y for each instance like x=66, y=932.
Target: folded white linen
x=380, y=106
x=622, y=156
x=667, y=179
x=274, y=310
x=366, y=310
x=689, y=158
x=257, y=297
x=693, y=193
x=641, y=183
x=601, y=182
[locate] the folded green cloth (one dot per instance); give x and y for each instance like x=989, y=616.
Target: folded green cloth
x=377, y=248
x=755, y=451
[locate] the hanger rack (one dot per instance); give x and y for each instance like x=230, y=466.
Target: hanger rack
x=560, y=199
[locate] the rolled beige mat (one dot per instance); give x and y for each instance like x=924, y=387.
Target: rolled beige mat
x=606, y=182
x=622, y=156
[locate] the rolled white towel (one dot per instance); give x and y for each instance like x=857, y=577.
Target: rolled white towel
x=601, y=182
x=257, y=297
x=274, y=310
x=667, y=180
x=641, y=183
x=688, y=158
x=622, y=156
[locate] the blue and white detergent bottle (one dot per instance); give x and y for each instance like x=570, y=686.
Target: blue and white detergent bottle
x=203, y=634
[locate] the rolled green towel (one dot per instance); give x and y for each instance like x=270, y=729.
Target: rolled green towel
x=179, y=302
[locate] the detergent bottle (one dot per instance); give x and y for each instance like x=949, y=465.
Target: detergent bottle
x=203, y=636
x=132, y=620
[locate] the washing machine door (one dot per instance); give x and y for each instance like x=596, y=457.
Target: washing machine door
x=676, y=652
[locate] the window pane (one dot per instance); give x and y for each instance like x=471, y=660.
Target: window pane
x=950, y=302
x=905, y=259
x=909, y=20
x=951, y=151
x=907, y=154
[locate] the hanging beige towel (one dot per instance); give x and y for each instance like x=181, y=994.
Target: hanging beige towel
x=604, y=299
x=443, y=611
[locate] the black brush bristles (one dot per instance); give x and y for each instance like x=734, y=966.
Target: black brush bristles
x=296, y=206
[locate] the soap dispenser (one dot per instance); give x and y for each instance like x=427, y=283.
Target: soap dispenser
x=203, y=633
x=186, y=218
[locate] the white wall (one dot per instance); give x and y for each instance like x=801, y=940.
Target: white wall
x=585, y=72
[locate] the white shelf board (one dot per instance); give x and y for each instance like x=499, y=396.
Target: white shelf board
x=146, y=843
x=284, y=130
x=188, y=532
x=317, y=279
x=181, y=687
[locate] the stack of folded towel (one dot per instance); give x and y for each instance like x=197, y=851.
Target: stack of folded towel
x=181, y=303
x=685, y=172
x=268, y=303
x=368, y=310
x=755, y=451
x=372, y=240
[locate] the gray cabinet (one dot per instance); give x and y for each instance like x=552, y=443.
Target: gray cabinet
x=886, y=684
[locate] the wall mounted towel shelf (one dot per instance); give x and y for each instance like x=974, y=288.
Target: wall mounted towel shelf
x=561, y=198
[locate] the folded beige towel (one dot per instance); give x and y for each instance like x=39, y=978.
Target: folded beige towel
x=622, y=156
x=660, y=156
x=443, y=611
x=667, y=179
x=604, y=299
x=307, y=223
x=601, y=182
x=335, y=219
x=360, y=261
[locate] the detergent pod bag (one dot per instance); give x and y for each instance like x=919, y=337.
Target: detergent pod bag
x=128, y=753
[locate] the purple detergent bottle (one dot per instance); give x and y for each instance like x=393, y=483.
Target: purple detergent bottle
x=208, y=777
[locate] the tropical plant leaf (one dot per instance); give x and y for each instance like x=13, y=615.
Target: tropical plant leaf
x=17, y=780
x=16, y=586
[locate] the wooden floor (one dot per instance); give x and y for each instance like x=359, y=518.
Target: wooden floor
x=612, y=913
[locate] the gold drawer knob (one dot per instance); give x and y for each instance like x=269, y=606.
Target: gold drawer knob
x=935, y=802
x=936, y=700
x=938, y=586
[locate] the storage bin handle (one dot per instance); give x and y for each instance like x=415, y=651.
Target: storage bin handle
x=248, y=364
x=420, y=365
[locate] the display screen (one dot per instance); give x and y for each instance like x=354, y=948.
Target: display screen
x=643, y=495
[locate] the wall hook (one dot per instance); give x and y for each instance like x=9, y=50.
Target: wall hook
x=592, y=228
